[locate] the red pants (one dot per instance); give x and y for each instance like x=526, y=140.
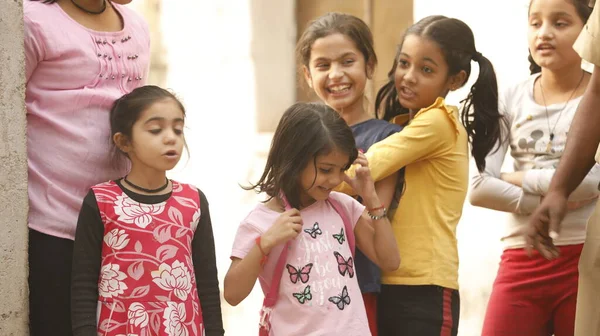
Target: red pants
x=534, y=296
x=370, y=300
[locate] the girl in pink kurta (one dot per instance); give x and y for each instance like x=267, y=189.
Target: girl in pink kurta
x=144, y=259
x=300, y=243
x=80, y=56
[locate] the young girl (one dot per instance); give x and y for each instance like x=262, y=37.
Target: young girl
x=421, y=297
x=80, y=56
x=539, y=112
x=337, y=57
x=144, y=258
x=318, y=292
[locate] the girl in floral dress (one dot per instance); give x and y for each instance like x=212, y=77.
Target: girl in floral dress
x=144, y=257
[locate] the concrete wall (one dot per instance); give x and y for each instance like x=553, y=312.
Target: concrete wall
x=151, y=10
x=13, y=173
x=272, y=52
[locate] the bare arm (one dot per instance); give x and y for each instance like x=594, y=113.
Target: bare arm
x=242, y=274
x=386, y=189
x=375, y=238
x=241, y=277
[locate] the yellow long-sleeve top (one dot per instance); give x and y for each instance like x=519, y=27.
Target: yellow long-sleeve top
x=434, y=150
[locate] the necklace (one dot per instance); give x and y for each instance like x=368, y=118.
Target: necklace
x=150, y=191
x=89, y=11
x=551, y=131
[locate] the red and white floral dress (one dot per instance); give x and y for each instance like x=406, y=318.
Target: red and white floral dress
x=147, y=284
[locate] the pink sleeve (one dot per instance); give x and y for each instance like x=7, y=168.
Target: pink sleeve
x=353, y=207
x=34, y=48
x=244, y=239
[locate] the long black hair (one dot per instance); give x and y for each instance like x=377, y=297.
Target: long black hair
x=305, y=131
x=480, y=114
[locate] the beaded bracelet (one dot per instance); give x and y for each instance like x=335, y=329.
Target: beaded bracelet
x=376, y=217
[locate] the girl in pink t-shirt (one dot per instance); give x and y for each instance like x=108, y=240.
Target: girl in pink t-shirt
x=313, y=227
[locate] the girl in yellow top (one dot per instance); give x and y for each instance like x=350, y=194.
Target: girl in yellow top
x=421, y=298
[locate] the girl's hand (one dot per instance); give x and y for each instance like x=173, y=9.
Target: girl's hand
x=361, y=160
x=362, y=183
x=286, y=227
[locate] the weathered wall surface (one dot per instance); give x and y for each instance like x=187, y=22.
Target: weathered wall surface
x=13, y=173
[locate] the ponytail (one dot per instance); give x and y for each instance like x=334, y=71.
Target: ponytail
x=480, y=114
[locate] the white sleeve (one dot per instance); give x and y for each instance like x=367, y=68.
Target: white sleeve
x=489, y=191
x=537, y=181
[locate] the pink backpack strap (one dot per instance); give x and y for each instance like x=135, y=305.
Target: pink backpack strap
x=271, y=297
x=347, y=224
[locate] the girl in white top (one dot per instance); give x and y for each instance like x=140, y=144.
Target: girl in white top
x=539, y=294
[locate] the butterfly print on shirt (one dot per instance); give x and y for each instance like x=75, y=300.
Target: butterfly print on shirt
x=342, y=300
x=306, y=295
x=315, y=231
x=340, y=237
x=297, y=273
x=344, y=265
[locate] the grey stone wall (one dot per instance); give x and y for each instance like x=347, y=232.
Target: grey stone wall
x=13, y=173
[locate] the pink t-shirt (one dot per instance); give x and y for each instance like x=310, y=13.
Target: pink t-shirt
x=73, y=76
x=319, y=293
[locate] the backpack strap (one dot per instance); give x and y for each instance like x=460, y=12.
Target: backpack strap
x=271, y=296
x=347, y=224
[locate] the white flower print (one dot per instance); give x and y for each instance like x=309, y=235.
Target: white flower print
x=174, y=316
x=137, y=314
x=195, y=219
x=174, y=278
x=111, y=281
x=130, y=211
x=116, y=239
